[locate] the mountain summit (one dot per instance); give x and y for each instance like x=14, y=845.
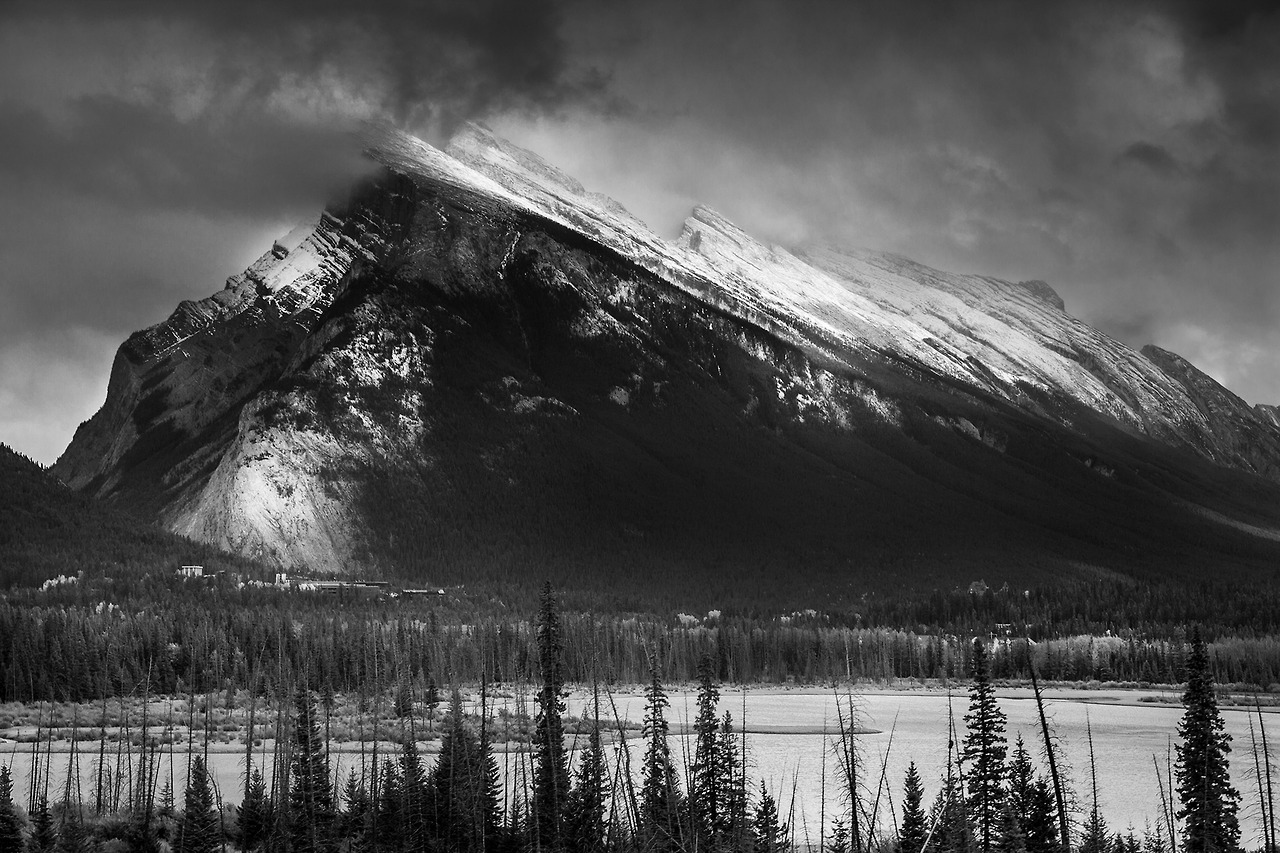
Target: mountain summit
x=476, y=368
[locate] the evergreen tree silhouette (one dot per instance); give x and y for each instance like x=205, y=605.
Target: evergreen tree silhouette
x=984, y=752
x=1208, y=802
x=731, y=783
x=200, y=831
x=551, y=766
x=10, y=823
x=311, y=813
x=913, y=831
x=704, y=792
x=585, y=830
x=659, y=793
x=254, y=814
x=1041, y=822
x=768, y=833
x=44, y=837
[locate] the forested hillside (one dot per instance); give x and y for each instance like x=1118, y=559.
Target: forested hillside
x=47, y=530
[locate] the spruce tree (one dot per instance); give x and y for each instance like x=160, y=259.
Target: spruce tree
x=1095, y=839
x=413, y=809
x=355, y=808
x=1010, y=838
x=984, y=752
x=10, y=823
x=253, y=816
x=73, y=835
x=914, y=831
x=767, y=831
x=952, y=831
x=311, y=812
x=551, y=766
x=704, y=792
x=731, y=782
x=1041, y=822
x=200, y=831
x=462, y=785
x=44, y=837
x=659, y=795
x=1208, y=802
x=1021, y=781
x=585, y=830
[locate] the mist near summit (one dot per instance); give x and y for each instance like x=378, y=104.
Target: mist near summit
x=1127, y=154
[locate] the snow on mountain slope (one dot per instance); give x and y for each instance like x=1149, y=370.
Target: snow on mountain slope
x=477, y=315
x=1013, y=340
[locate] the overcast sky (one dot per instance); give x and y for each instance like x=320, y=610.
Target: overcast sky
x=1128, y=153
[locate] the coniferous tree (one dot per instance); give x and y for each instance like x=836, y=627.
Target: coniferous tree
x=1010, y=838
x=412, y=826
x=984, y=752
x=1041, y=822
x=768, y=832
x=432, y=700
x=551, y=766
x=73, y=836
x=253, y=816
x=167, y=804
x=355, y=809
x=44, y=837
x=1208, y=801
x=461, y=783
x=200, y=831
x=1021, y=781
x=913, y=831
x=384, y=828
x=1095, y=839
x=659, y=794
x=704, y=794
x=585, y=830
x=952, y=831
x=10, y=824
x=1153, y=840
x=731, y=782
x=311, y=812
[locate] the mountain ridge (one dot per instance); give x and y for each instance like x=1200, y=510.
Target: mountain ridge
x=462, y=305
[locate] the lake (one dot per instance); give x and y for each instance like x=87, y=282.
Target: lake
x=786, y=746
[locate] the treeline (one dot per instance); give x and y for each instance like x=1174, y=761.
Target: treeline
x=60, y=646
x=991, y=798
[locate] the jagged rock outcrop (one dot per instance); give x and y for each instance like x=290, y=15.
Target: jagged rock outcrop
x=1225, y=428
x=476, y=367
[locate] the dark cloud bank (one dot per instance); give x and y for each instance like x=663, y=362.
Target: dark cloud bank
x=1130, y=153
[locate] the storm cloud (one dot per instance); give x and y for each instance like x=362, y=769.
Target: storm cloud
x=1127, y=153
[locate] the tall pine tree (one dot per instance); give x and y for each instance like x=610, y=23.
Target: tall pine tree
x=659, y=794
x=551, y=765
x=913, y=832
x=585, y=827
x=984, y=753
x=201, y=831
x=704, y=792
x=767, y=830
x=10, y=824
x=311, y=812
x=1208, y=802
x=254, y=813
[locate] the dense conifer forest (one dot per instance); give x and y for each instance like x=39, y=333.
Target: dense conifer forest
x=627, y=795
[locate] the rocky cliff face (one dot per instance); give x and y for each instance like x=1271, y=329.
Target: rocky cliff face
x=475, y=367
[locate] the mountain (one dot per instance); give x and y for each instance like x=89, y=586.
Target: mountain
x=475, y=369
x=47, y=530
